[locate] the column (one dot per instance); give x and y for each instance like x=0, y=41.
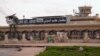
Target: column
x=31, y=38
x=6, y=40
x=66, y=37
x=62, y=36
x=58, y=37
x=46, y=37
x=23, y=38
x=97, y=35
x=86, y=37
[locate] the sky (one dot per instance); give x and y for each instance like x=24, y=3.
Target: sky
x=35, y=8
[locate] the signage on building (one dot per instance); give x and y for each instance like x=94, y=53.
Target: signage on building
x=45, y=20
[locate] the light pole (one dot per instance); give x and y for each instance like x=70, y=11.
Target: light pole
x=12, y=20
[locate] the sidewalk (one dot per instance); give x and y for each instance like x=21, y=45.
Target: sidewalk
x=56, y=44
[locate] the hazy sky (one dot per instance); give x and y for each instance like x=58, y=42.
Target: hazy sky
x=32, y=8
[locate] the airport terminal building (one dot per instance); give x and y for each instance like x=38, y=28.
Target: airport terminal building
x=78, y=28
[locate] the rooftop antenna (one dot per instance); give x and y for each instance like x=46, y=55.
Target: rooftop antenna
x=23, y=16
x=75, y=12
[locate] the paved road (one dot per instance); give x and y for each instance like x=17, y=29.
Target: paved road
x=7, y=51
x=30, y=51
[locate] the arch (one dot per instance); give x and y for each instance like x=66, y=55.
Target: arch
x=42, y=35
x=86, y=30
x=75, y=34
x=52, y=32
x=38, y=35
x=24, y=32
x=90, y=33
x=18, y=35
x=2, y=35
x=96, y=33
x=62, y=31
x=8, y=34
x=33, y=34
x=26, y=35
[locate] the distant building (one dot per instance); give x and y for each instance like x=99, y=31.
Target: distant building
x=80, y=27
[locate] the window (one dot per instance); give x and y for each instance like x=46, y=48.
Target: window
x=20, y=22
x=39, y=20
x=26, y=21
x=32, y=21
x=47, y=20
x=54, y=20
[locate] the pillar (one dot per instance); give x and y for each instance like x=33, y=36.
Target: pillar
x=58, y=37
x=6, y=40
x=62, y=36
x=32, y=39
x=6, y=37
x=86, y=37
x=24, y=39
x=46, y=37
x=97, y=35
x=66, y=37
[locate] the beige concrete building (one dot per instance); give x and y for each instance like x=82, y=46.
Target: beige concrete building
x=80, y=27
